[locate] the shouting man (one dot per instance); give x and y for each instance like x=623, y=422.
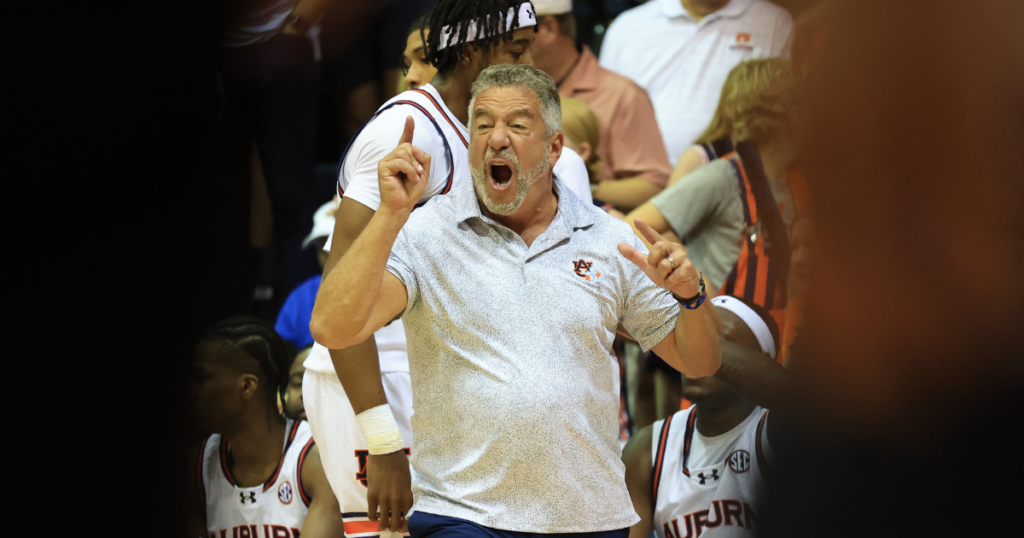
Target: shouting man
x=463, y=38
x=512, y=291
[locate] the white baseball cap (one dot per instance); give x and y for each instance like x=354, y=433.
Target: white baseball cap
x=323, y=223
x=552, y=7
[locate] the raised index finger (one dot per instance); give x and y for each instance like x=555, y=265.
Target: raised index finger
x=407, y=131
x=649, y=233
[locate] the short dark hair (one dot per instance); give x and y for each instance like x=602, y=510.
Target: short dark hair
x=490, y=16
x=419, y=24
x=258, y=340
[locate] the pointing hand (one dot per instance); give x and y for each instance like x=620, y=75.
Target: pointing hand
x=667, y=265
x=403, y=173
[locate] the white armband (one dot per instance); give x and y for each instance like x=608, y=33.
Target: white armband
x=381, y=430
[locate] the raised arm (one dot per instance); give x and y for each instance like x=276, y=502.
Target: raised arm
x=758, y=378
x=355, y=358
x=694, y=347
x=358, y=296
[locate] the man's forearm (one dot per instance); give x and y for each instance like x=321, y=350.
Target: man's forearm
x=698, y=335
x=626, y=194
x=358, y=369
x=757, y=377
x=348, y=291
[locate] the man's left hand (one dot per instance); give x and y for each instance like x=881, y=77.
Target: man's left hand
x=667, y=265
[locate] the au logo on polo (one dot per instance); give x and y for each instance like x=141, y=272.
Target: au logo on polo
x=582, y=267
x=742, y=42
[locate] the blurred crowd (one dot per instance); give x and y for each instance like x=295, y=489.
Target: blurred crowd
x=690, y=115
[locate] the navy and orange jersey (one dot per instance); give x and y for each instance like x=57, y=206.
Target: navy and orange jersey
x=762, y=268
x=274, y=509
x=715, y=150
x=718, y=499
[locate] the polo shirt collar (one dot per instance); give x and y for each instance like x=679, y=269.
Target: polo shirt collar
x=586, y=75
x=573, y=210
x=735, y=8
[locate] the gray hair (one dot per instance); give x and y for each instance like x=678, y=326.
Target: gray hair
x=527, y=77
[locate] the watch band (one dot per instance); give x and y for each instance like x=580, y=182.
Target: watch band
x=694, y=302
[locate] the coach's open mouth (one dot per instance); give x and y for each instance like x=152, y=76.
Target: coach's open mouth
x=500, y=173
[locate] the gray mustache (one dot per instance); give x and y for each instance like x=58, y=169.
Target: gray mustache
x=506, y=154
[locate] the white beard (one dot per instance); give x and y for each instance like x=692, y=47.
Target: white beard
x=524, y=180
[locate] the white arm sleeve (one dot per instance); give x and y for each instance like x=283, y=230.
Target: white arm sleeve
x=571, y=169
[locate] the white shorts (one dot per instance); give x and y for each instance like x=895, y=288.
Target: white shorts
x=343, y=448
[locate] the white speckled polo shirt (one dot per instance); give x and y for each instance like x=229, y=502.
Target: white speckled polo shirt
x=515, y=385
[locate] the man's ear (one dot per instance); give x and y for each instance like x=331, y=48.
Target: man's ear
x=548, y=23
x=557, y=141
x=469, y=54
x=248, y=383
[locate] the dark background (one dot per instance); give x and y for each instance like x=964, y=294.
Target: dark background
x=916, y=128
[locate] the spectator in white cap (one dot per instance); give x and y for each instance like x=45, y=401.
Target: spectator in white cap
x=681, y=51
x=635, y=166
x=293, y=320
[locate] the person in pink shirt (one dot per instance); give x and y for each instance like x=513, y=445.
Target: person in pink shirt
x=636, y=166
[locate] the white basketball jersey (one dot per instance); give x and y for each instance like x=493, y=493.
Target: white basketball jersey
x=454, y=169
x=720, y=500
x=274, y=509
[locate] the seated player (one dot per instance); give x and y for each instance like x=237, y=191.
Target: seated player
x=245, y=484
x=293, y=406
x=708, y=461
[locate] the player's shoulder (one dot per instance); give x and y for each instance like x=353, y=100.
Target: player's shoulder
x=303, y=431
x=676, y=423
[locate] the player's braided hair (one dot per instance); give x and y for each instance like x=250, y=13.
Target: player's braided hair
x=452, y=13
x=257, y=339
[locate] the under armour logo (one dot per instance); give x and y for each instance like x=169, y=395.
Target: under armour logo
x=252, y=496
x=714, y=474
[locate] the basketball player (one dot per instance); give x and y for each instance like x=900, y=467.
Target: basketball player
x=708, y=461
x=414, y=59
x=372, y=477
x=244, y=483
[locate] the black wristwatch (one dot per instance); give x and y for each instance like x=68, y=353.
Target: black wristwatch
x=694, y=302
x=299, y=23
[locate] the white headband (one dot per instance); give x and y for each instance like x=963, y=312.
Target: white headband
x=527, y=18
x=754, y=321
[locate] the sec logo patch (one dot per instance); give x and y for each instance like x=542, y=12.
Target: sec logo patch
x=739, y=461
x=284, y=493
